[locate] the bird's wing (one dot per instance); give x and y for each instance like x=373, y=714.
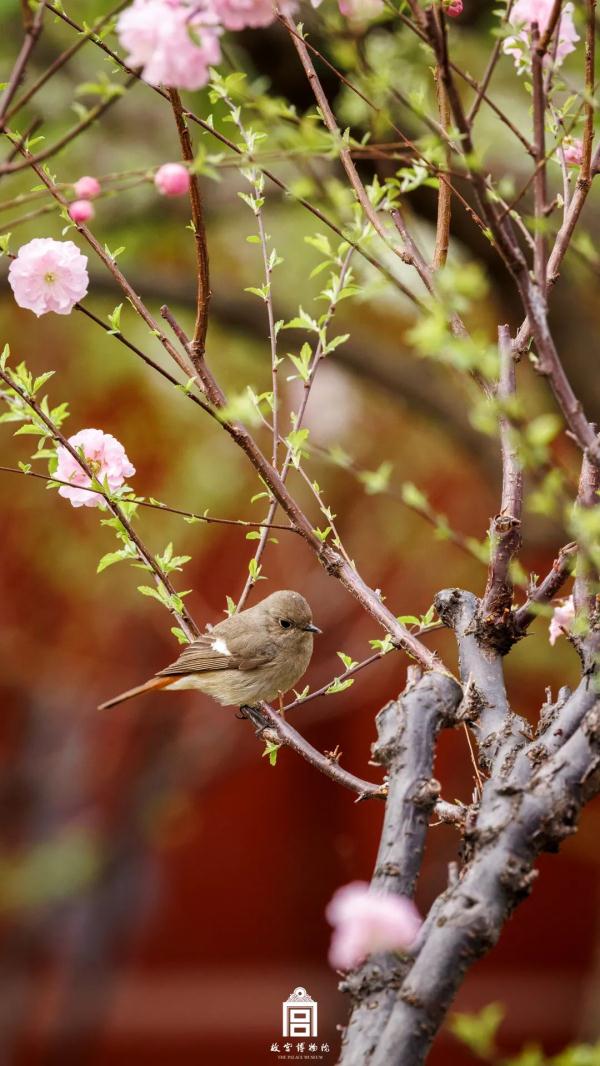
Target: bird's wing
x=208, y=653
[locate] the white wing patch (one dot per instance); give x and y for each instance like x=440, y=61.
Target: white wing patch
x=220, y=646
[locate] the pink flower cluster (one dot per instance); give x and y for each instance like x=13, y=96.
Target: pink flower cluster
x=573, y=151
x=239, y=14
x=454, y=8
x=173, y=41
x=48, y=275
x=365, y=921
x=523, y=15
x=561, y=620
x=106, y=457
x=176, y=41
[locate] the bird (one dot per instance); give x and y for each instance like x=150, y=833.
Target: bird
x=249, y=657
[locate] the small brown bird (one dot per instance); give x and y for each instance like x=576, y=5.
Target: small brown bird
x=249, y=657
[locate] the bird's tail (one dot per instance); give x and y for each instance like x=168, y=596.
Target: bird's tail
x=152, y=685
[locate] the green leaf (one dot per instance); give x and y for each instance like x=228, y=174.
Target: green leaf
x=413, y=497
x=271, y=751
x=115, y=319
x=543, y=429
x=41, y=380
x=347, y=660
x=302, y=361
x=254, y=570
x=337, y=685
x=376, y=481
x=30, y=430
x=384, y=646
x=181, y=636
x=147, y=590
x=478, y=1031
x=112, y=557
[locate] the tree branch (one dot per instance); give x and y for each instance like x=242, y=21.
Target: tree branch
x=33, y=28
x=499, y=731
x=407, y=729
x=203, y=277
x=505, y=528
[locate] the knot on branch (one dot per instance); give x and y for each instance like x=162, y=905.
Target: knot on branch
x=517, y=879
x=427, y=792
x=549, y=711
x=378, y=974
x=491, y=744
x=389, y=724
x=503, y=524
x=330, y=560
x=557, y=826
x=591, y=725
x=449, y=604
x=472, y=704
x=537, y=754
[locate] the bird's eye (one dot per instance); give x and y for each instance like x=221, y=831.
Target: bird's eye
x=285, y=623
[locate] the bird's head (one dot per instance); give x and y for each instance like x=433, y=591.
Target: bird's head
x=287, y=614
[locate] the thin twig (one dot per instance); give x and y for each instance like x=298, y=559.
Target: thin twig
x=183, y=616
x=548, y=588
x=155, y=506
x=540, y=190
x=32, y=31
x=203, y=277
x=274, y=728
x=444, y=205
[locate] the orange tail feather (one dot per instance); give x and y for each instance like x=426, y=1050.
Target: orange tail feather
x=154, y=684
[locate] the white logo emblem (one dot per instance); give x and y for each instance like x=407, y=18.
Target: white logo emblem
x=300, y=1014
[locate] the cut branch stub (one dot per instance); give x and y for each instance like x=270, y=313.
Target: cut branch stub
x=496, y=614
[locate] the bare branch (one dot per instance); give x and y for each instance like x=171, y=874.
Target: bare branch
x=202, y=273
x=273, y=727
x=548, y=588
x=499, y=731
x=33, y=28
x=407, y=729
x=505, y=529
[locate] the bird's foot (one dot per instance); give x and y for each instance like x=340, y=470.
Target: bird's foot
x=255, y=715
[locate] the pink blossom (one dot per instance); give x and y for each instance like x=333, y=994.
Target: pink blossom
x=573, y=151
x=174, y=43
x=361, y=9
x=106, y=457
x=172, y=179
x=366, y=921
x=562, y=619
x=81, y=210
x=86, y=188
x=238, y=14
x=523, y=15
x=454, y=8
x=48, y=275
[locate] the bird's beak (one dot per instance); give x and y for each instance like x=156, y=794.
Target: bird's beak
x=312, y=629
